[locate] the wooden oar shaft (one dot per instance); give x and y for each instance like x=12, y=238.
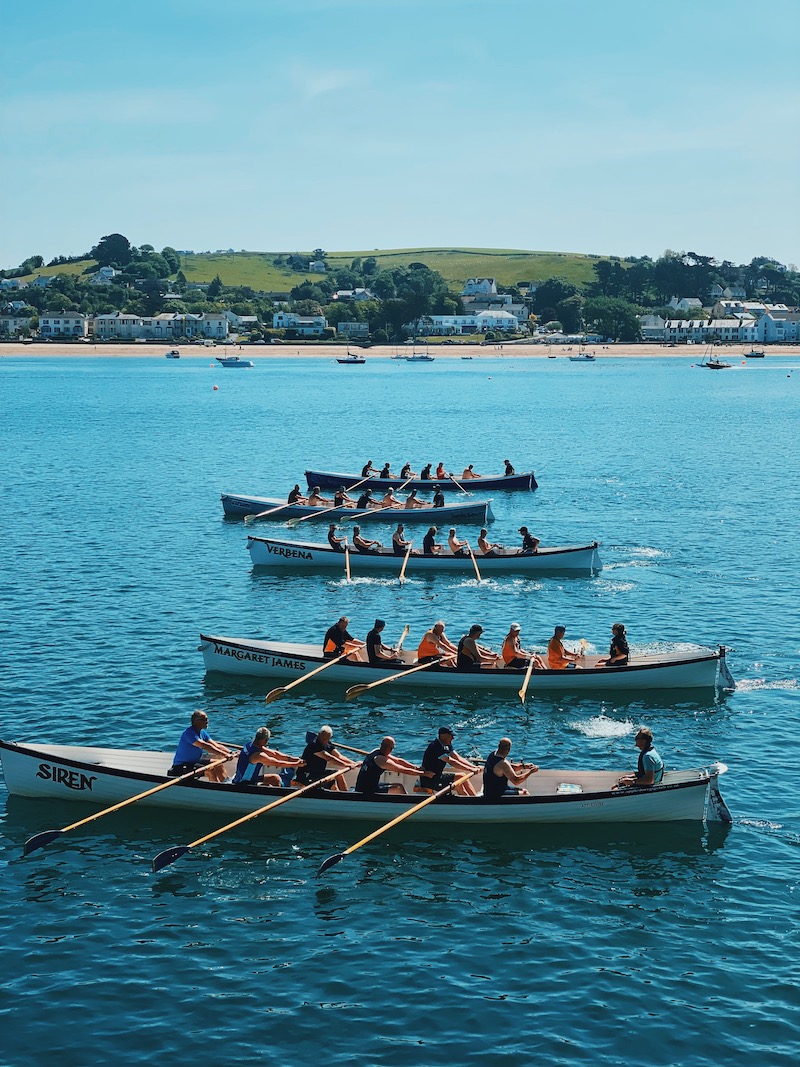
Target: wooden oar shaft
x=347, y=562
x=474, y=562
x=274, y=694
x=263, y=514
x=384, y=507
x=524, y=691
x=457, y=484
x=405, y=561
x=357, y=690
x=407, y=814
x=267, y=807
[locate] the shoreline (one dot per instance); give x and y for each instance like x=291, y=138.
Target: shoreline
x=733, y=353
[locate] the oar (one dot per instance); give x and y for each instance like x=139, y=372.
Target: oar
x=331, y=861
x=384, y=507
x=356, y=690
x=474, y=561
x=403, y=636
x=405, y=561
x=326, y=511
x=311, y=736
x=524, y=691
x=347, y=562
x=46, y=836
x=276, y=694
x=169, y=855
x=457, y=484
x=263, y=514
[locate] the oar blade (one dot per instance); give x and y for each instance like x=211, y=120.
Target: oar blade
x=355, y=691
x=274, y=694
x=40, y=840
x=169, y=855
x=331, y=861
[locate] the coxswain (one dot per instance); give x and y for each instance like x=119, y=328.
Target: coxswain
x=255, y=756
x=196, y=747
x=558, y=657
x=338, y=640
x=295, y=496
x=434, y=645
x=437, y=757
x=438, y=497
x=529, y=542
x=378, y=763
x=362, y=544
x=509, y=469
x=650, y=770
x=503, y=778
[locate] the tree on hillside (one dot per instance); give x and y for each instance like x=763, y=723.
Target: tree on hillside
x=215, y=288
x=113, y=250
x=612, y=317
x=552, y=292
x=569, y=312
x=180, y=279
x=369, y=266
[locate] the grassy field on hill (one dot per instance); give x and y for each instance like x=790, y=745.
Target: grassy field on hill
x=257, y=269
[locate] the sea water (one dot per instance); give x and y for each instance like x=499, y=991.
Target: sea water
x=653, y=944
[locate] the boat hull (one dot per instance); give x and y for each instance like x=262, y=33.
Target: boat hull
x=488, y=483
x=237, y=505
x=283, y=659
x=103, y=777
x=308, y=555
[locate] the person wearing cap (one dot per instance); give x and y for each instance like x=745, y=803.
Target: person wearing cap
x=619, y=652
x=456, y=547
x=512, y=652
x=365, y=500
x=316, y=499
x=650, y=770
x=503, y=778
x=437, y=757
x=342, y=499
x=379, y=654
x=488, y=548
x=336, y=543
x=438, y=497
x=529, y=542
x=470, y=655
x=338, y=640
x=434, y=645
x=509, y=469
x=363, y=544
x=469, y=473
x=429, y=546
x=255, y=756
x=376, y=764
x=295, y=496
x=321, y=757
x=558, y=658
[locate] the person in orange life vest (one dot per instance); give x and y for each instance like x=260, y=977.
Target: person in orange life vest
x=434, y=645
x=558, y=658
x=338, y=640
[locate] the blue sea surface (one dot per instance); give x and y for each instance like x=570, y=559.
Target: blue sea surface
x=657, y=944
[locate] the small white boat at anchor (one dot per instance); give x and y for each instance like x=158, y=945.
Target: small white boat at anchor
x=314, y=556
x=108, y=776
x=257, y=658
x=234, y=361
x=173, y=354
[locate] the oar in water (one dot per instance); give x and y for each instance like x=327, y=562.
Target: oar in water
x=325, y=511
x=384, y=507
x=524, y=691
x=276, y=694
x=263, y=514
x=169, y=855
x=331, y=861
x=457, y=484
x=474, y=561
x=403, y=636
x=357, y=690
x=405, y=561
x=46, y=836
x=347, y=562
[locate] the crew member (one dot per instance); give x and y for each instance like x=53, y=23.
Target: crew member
x=376, y=764
x=509, y=469
x=429, y=546
x=336, y=543
x=529, y=542
x=386, y=471
x=512, y=652
x=390, y=500
x=295, y=496
x=456, y=547
x=407, y=472
x=650, y=770
x=488, y=548
x=470, y=655
x=316, y=500
x=342, y=499
x=619, y=652
x=469, y=473
x=196, y=747
x=321, y=758
x=438, y=497
x=437, y=757
x=362, y=544
x=365, y=500
x=368, y=469
x=558, y=658
x=413, y=501
x=441, y=473
x=338, y=640
x=434, y=645
x=255, y=756
x=399, y=544
x=379, y=654
x=425, y=473
x=501, y=777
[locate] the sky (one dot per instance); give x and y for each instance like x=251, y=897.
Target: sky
x=619, y=127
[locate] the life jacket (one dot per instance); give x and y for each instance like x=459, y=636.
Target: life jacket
x=427, y=648
x=556, y=660
x=245, y=770
x=510, y=651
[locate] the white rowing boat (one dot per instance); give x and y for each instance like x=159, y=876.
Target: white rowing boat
x=106, y=776
x=311, y=555
x=284, y=659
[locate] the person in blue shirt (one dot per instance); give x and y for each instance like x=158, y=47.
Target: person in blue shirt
x=651, y=766
x=255, y=756
x=195, y=747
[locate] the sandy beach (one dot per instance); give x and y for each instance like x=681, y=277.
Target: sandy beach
x=158, y=350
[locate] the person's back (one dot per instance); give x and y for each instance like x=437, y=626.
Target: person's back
x=365, y=500
x=429, y=543
x=425, y=473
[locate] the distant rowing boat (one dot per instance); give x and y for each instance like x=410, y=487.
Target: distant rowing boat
x=485, y=484
x=284, y=659
x=237, y=505
x=309, y=555
x=107, y=776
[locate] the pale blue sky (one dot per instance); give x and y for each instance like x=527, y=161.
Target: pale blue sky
x=571, y=125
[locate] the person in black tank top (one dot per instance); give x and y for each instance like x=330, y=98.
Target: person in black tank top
x=501, y=777
x=376, y=763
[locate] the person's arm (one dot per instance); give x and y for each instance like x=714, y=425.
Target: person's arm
x=272, y=758
x=458, y=763
x=336, y=759
x=517, y=777
x=211, y=746
x=397, y=765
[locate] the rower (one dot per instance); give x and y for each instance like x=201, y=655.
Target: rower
x=440, y=754
x=196, y=747
x=362, y=544
x=488, y=548
x=342, y=499
x=429, y=546
x=503, y=778
x=316, y=500
x=379, y=654
x=413, y=501
x=471, y=655
x=338, y=640
x=365, y=500
x=376, y=764
x=337, y=543
x=441, y=473
x=295, y=496
x=255, y=756
x=390, y=500
x=425, y=473
x=368, y=469
x=438, y=497
x=399, y=544
x=386, y=471
x=558, y=657
x=456, y=547
x=469, y=473
x=321, y=758
x=407, y=472
x=434, y=645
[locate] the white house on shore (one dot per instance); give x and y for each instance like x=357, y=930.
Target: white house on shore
x=459, y=325
x=686, y=303
x=304, y=325
x=11, y=325
x=121, y=325
x=62, y=324
x=479, y=287
x=779, y=327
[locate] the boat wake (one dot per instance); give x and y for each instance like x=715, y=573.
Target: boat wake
x=600, y=726
x=609, y=586
x=749, y=685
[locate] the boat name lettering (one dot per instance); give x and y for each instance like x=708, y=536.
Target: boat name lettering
x=71, y=779
x=290, y=553
x=240, y=654
x=293, y=664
